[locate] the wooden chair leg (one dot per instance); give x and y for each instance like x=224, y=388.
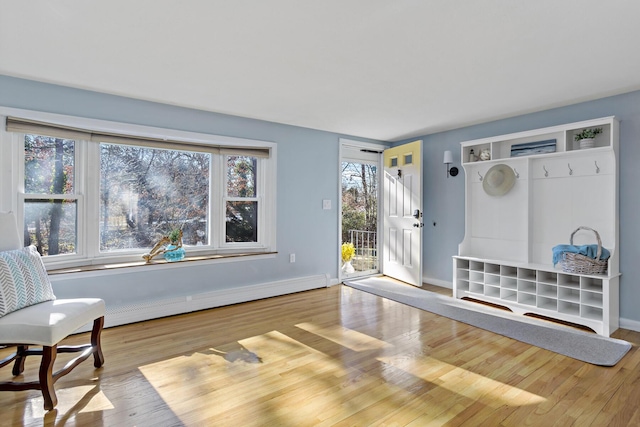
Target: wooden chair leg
x=46, y=377
x=18, y=366
x=98, y=357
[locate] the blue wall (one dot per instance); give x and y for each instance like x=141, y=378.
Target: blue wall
x=307, y=173
x=444, y=198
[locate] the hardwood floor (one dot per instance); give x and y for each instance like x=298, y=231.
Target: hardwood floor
x=334, y=356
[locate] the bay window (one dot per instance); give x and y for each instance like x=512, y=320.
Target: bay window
x=87, y=196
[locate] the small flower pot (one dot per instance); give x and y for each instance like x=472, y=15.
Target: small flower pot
x=587, y=143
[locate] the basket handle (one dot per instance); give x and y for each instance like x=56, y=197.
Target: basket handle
x=597, y=237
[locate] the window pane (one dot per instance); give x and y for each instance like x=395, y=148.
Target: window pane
x=50, y=225
x=147, y=192
x=48, y=165
x=242, y=222
x=241, y=176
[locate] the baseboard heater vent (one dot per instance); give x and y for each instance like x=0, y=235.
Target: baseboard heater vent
x=147, y=310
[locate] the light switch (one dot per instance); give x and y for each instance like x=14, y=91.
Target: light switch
x=326, y=204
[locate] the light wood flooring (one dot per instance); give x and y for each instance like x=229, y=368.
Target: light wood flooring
x=334, y=356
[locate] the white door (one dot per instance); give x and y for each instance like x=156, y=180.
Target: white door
x=402, y=218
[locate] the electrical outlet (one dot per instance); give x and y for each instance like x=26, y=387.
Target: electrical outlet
x=326, y=204
x=292, y=257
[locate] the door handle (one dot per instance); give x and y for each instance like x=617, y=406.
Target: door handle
x=418, y=224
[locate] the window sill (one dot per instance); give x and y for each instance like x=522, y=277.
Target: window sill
x=155, y=262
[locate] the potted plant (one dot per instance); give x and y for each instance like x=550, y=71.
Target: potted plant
x=174, y=250
x=586, y=137
x=348, y=252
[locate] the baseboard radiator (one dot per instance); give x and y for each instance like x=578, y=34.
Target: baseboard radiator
x=148, y=310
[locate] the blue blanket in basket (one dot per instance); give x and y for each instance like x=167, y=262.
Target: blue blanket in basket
x=587, y=250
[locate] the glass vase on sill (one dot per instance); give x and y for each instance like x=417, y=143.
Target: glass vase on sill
x=173, y=253
x=348, y=268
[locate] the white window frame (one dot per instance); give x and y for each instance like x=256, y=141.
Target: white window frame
x=260, y=179
x=87, y=159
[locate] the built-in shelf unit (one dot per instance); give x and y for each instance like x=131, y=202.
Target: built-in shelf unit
x=506, y=255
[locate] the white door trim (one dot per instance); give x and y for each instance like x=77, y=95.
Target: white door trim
x=343, y=142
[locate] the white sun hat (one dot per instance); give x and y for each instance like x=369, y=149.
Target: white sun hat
x=498, y=180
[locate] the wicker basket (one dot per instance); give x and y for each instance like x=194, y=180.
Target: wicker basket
x=581, y=264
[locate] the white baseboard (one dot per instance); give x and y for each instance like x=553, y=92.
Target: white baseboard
x=632, y=325
x=178, y=305
x=437, y=282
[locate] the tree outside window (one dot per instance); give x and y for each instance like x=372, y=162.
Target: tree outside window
x=146, y=192
x=242, y=203
x=50, y=208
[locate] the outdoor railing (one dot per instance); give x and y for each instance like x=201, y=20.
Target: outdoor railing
x=366, y=245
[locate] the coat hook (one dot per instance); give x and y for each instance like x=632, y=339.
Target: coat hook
x=546, y=172
x=480, y=176
x=570, y=170
x=516, y=172
x=597, y=168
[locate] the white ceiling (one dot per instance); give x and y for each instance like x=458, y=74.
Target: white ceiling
x=380, y=69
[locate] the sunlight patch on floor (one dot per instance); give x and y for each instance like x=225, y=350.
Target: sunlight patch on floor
x=79, y=399
x=464, y=382
x=354, y=340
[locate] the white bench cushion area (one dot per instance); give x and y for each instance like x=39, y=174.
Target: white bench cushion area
x=47, y=323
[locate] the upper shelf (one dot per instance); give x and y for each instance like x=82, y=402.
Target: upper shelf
x=546, y=141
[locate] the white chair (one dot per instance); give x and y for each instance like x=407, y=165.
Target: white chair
x=42, y=324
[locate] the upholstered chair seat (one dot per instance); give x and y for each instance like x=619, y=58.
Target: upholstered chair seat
x=30, y=315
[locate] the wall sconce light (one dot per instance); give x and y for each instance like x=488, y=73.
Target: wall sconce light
x=448, y=159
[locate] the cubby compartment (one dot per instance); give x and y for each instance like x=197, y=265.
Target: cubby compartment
x=491, y=279
x=462, y=285
x=462, y=274
x=601, y=140
x=570, y=308
x=547, y=303
x=526, y=274
x=508, y=271
x=477, y=149
x=591, y=298
x=526, y=286
x=476, y=288
x=545, y=290
x=492, y=268
x=508, y=295
x=462, y=263
x=547, y=277
x=492, y=291
x=568, y=280
x=569, y=294
x=476, y=266
x=591, y=284
x=589, y=312
x=476, y=276
x=526, y=299
x=508, y=282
